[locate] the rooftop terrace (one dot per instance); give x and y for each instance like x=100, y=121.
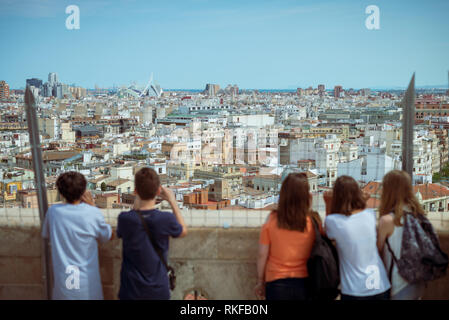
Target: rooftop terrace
x=218, y=257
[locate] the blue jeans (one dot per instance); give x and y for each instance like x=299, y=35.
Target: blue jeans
x=381, y=296
x=286, y=289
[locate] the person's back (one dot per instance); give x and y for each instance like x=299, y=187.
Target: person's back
x=73, y=230
x=289, y=249
x=397, y=197
x=355, y=238
x=353, y=227
x=395, y=240
x=285, y=243
x=143, y=274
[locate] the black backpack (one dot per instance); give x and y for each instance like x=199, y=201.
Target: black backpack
x=323, y=268
x=421, y=257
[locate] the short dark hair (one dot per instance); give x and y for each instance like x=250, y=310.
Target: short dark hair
x=71, y=185
x=147, y=183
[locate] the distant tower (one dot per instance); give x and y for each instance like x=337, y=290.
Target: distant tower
x=321, y=89
x=211, y=89
x=337, y=91
x=447, y=83
x=52, y=78
x=37, y=83
x=4, y=90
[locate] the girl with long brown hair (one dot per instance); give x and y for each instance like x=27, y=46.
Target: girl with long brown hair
x=353, y=227
x=397, y=197
x=286, y=241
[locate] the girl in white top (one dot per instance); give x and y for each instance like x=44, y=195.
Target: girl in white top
x=397, y=197
x=353, y=227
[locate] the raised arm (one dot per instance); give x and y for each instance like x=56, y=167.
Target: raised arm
x=87, y=198
x=167, y=194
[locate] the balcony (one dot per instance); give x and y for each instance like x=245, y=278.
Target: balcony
x=218, y=256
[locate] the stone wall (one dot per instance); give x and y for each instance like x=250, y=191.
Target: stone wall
x=219, y=262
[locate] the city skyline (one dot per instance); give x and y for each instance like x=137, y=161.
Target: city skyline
x=253, y=44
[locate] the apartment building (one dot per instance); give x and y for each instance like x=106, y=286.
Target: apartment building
x=227, y=181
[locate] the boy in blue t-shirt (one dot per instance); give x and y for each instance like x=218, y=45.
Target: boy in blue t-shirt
x=143, y=274
x=73, y=229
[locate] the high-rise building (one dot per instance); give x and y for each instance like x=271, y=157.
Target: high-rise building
x=365, y=92
x=321, y=88
x=337, y=91
x=211, y=89
x=235, y=90
x=52, y=78
x=37, y=83
x=58, y=91
x=78, y=92
x=4, y=90
x=47, y=90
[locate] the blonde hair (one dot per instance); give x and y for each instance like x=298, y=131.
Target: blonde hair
x=397, y=191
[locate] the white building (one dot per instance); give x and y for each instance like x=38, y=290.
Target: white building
x=122, y=173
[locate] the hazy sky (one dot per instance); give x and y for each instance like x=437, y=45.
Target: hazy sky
x=254, y=44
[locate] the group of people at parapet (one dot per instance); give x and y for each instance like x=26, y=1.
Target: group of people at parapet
x=286, y=239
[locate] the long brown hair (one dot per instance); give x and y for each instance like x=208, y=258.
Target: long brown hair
x=294, y=202
x=397, y=192
x=347, y=196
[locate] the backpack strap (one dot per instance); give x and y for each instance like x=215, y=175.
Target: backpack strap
x=153, y=243
x=317, y=229
x=393, y=260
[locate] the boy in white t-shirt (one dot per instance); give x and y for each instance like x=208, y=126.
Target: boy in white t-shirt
x=73, y=229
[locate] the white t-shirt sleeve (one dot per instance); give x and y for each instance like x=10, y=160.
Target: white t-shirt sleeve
x=329, y=226
x=104, y=230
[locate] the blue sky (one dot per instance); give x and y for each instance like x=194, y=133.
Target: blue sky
x=254, y=44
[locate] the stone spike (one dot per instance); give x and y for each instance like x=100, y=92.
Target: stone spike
x=408, y=122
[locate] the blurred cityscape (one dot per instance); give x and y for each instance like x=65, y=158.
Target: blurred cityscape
x=220, y=148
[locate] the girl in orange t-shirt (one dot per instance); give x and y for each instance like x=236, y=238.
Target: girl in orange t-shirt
x=285, y=244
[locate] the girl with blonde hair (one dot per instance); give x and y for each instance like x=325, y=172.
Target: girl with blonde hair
x=397, y=198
